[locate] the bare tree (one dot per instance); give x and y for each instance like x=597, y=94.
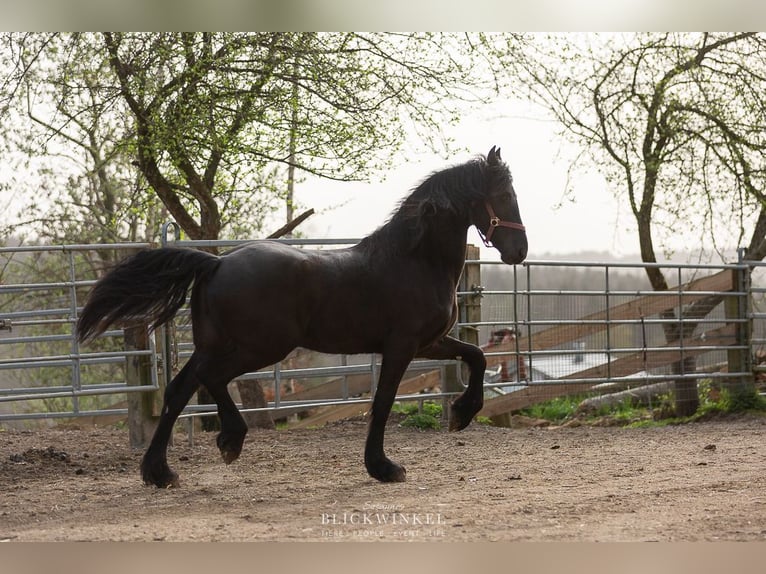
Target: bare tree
x=677, y=123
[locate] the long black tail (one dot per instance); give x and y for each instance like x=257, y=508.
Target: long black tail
x=150, y=285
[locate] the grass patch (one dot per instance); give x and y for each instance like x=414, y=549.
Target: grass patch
x=413, y=407
x=556, y=410
x=421, y=421
x=715, y=400
x=423, y=416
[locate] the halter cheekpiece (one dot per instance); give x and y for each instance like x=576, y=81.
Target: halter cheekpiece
x=494, y=223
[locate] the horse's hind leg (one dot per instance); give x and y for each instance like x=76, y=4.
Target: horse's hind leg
x=154, y=466
x=233, y=426
x=215, y=374
x=378, y=465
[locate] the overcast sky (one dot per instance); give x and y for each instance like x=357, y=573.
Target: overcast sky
x=539, y=163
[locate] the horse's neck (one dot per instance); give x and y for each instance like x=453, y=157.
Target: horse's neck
x=442, y=246
x=452, y=254
x=444, y=249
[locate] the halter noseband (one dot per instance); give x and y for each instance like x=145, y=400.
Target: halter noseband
x=494, y=223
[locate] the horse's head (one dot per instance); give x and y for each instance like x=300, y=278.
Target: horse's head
x=497, y=216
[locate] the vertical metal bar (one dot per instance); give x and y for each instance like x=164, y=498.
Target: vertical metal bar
x=681, y=331
x=608, y=325
x=167, y=351
x=74, y=346
x=744, y=285
x=374, y=373
x=344, y=384
x=744, y=276
x=529, y=322
x=153, y=358
x=277, y=384
x=515, y=308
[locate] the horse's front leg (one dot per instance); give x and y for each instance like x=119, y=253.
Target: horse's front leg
x=379, y=466
x=468, y=404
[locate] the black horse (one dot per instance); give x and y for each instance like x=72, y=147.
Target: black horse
x=394, y=293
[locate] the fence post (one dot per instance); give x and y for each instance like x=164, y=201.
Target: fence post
x=469, y=311
x=470, y=305
x=138, y=372
x=736, y=307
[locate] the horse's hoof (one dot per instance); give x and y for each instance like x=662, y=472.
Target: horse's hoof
x=457, y=422
x=229, y=456
x=461, y=415
x=229, y=446
x=387, y=471
x=159, y=475
x=169, y=480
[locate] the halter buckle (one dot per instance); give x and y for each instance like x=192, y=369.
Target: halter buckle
x=494, y=223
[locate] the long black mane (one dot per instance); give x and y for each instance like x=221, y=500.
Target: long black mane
x=442, y=200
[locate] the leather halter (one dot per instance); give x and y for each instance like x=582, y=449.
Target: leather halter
x=494, y=223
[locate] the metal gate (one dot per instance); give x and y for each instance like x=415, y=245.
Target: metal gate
x=540, y=340
x=44, y=372
x=756, y=313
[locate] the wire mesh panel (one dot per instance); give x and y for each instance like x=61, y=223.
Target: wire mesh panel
x=598, y=327
x=44, y=372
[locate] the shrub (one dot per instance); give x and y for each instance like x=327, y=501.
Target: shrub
x=421, y=421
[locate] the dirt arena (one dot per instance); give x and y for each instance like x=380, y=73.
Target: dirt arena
x=701, y=481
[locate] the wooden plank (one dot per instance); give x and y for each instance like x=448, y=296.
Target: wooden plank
x=641, y=307
x=622, y=367
x=335, y=413
x=357, y=384
x=326, y=415
x=636, y=362
x=529, y=396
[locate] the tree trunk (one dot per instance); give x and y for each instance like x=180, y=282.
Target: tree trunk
x=687, y=399
x=251, y=393
x=639, y=395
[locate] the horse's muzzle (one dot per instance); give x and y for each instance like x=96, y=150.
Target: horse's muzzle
x=514, y=257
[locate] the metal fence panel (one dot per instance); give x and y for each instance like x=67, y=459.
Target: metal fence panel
x=547, y=327
x=44, y=372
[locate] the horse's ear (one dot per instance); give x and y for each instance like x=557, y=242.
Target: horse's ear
x=493, y=157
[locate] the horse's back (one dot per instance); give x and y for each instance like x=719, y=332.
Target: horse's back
x=276, y=297
x=268, y=292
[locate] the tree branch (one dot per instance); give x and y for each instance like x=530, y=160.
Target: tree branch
x=288, y=228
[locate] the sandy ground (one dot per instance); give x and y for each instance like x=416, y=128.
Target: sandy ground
x=702, y=481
